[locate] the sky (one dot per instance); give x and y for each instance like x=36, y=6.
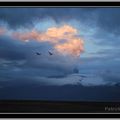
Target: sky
x=84, y=38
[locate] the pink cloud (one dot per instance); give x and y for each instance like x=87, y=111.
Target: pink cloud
x=64, y=39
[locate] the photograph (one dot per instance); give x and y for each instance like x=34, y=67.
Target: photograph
x=60, y=59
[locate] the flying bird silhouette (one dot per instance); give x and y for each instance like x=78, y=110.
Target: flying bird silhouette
x=38, y=53
x=50, y=53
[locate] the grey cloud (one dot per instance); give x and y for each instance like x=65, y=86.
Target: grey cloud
x=19, y=60
x=10, y=49
x=105, y=18
x=109, y=19
x=16, y=17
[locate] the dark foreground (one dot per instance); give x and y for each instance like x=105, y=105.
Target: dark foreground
x=58, y=107
x=59, y=99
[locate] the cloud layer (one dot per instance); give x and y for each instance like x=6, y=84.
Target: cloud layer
x=64, y=39
x=65, y=32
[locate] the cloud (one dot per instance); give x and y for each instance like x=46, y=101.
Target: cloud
x=64, y=39
x=108, y=19
x=17, y=17
x=10, y=49
x=52, y=35
x=74, y=47
x=20, y=41
x=19, y=59
x=2, y=31
x=105, y=18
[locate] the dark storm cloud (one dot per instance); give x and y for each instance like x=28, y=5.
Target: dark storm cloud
x=23, y=63
x=10, y=49
x=16, y=17
x=109, y=19
x=107, y=27
x=19, y=59
x=106, y=18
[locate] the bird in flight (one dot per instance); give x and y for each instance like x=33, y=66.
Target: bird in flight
x=50, y=53
x=38, y=53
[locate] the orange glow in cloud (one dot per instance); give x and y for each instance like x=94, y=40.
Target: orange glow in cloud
x=74, y=47
x=53, y=34
x=2, y=31
x=25, y=36
x=61, y=32
x=64, y=39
